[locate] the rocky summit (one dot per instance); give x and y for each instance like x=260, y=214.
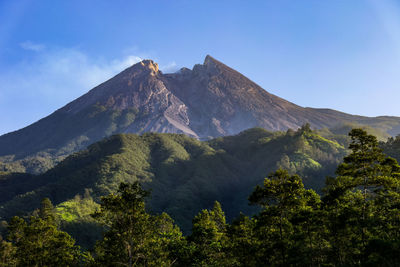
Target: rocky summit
x=208, y=101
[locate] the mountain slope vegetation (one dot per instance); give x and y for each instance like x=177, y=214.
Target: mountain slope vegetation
x=355, y=222
x=185, y=175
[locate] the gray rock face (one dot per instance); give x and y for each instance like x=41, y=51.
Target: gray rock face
x=208, y=101
x=221, y=101
x=142, y=87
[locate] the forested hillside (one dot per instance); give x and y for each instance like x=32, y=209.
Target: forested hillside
x=354, y=223
x=184, y=175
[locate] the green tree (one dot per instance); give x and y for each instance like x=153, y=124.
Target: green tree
x=133, y=236
x=362, y=200
x=285, y=227
x=242, y=242
x=7, y=253
x=38, y=242
x=392, y=147
x=46, y=211
x=209, y=237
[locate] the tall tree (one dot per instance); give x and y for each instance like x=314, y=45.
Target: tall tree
x=243, y=244
x=46, y=211
x=38, y=242
x=209, y=238
x=133, y=236
x=284, y=225
x=7, y=253
x=362, y=200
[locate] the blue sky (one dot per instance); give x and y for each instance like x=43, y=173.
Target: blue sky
x=340, y=54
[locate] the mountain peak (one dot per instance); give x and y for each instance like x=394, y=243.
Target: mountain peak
x=209, y=60
x=210, y=65
x=149, y=64
x=146, y=66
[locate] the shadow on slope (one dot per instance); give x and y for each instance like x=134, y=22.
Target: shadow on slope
x=185, y=175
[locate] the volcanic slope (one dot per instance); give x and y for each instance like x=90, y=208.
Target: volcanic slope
x=209, y=101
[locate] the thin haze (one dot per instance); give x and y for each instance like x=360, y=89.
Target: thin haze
x=335, y=54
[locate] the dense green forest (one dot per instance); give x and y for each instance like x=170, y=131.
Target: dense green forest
x=184, y=174
x=354, y=222
x=40, y=148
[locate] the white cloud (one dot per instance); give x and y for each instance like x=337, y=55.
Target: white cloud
x=28, y=45
x=33, y=89
x=170, y=67
x=62, y=72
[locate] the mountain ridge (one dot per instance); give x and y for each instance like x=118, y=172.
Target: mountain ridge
x=207, y=101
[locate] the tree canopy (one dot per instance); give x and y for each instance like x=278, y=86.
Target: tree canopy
x=356, y=222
